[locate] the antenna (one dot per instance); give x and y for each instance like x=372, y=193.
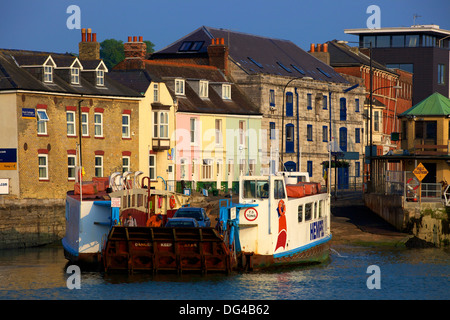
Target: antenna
x=415, y=16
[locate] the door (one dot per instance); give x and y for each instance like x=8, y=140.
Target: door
x=343, y=178
x=219, y=173
x=170, y=178
x=230, y=172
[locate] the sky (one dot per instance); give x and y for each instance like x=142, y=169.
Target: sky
x=41, y=25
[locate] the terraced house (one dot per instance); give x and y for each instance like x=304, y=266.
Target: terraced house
x=211, y=133
x=59, y=111
x=305, y=108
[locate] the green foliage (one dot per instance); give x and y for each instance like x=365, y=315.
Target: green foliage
x=111, y=51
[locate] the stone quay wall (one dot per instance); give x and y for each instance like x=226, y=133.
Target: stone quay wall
x=31, y=222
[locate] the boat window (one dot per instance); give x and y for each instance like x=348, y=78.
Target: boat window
x=300, y=213
x=279, y=190
x=256, y=189
x=319, y=209
x=308, y=211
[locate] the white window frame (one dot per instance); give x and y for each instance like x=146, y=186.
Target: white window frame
x=126, y=167
x=43, y=166
x=75, y=75
x=42, y=119
x=207, y=169
x=179, y=87
x=203, y=89
x=85, y=124
x=156, y=92
x=183, y=169
x=126, y=126
x=98, y=167
x=242, y=132
x=226, y=92
x=48, y=74
x=71, y=166
x=161, y=124
x=193, y=130
x=150, y=166
x=71, y=124
x=218, y=131
x=98, y=124
x=100, y=77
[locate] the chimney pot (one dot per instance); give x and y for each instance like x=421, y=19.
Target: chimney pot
x=319, y=47
x=94, y=37
x=140, y=39
x=313, y=47
x=325, y=47
x=222, y=41
x=134, y=39
x=89, y=34
x=83, y=35
x=129, y=39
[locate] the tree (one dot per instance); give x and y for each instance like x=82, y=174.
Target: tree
x=111, y=51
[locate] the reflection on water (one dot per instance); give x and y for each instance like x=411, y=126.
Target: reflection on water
x=39, y=273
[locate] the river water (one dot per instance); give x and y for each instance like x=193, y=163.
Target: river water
x=400, y=273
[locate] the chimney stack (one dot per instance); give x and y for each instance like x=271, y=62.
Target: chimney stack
x=88, y=48
x=135, y=49
x=218, y=54
x=320, y=52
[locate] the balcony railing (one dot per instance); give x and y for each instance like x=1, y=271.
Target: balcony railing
x=431, y=149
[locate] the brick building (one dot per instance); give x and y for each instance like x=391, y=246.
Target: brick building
x=51, y=103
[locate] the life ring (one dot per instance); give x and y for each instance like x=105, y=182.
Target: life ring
x=413, y=179
x=281, y=208
x=172, y=202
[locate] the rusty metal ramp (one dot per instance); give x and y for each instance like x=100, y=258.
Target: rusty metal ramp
x=152, y=249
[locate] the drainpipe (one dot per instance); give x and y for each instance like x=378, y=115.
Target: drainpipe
x=298, y=134
x=79, y=130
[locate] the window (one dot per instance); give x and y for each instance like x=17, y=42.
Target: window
x=125, y=164
x=100, y=77
x=441, y=73
x=191, y=46
x=203, y=89
x=272, y=98
x=309, y=132
x=242, y=133
x=357, y=169
x=152, y=167
x=398, y=41
x=42, y=119
x=308, y=211
x=356, y=105
x=71, y=163
x=324, y=72
x=98, y=125
x=324, y=133
x=192, y=131
x=256, y=189
x=155, y=92
x=402, y=66
x=75, y=75
x=48, y=74
x=207, y=169
x=251, y=166
x=343, y=139
x=278, y=192
x=412, y=40
x=309, y=101
x=343, y=109
x=70, y=118
x=367, y=40
x=272, y=133
x=98, y=166
x=309, y=168
x=226, y=92
x=357, y=135
x=289, y=138
x=289, y=104
x=383, y=41
x=299, y=70
x=125, y=125
x=179, y=86
x=426, y=130
x=85, y=124
x=284, y=67
x=242, y=165
x=300, y=213
x=218, y=123
x=324, y=102
x=376, y=121
x=161, y=124
x=43, y=166
x=255, y=62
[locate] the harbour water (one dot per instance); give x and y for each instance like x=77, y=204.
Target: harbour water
x=407, y=274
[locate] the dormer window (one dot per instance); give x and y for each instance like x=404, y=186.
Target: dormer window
x=203, y=89
x=75, y=75
x=100, y=77
x=48, y=74
x=226, y=91
x=179, y=86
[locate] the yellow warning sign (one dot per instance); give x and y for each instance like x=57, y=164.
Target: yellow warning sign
x=8, y=166
x=420, y=172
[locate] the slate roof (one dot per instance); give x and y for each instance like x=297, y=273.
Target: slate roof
x=239, y=104
x=342, y=55
x=434, y=105
x=138, y=80
x=254, y=54
x=15, y=76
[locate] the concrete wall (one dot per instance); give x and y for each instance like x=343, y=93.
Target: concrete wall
x=388, y=207
x=28, y=223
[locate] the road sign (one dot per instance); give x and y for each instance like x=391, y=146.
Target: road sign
x=420, y=172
